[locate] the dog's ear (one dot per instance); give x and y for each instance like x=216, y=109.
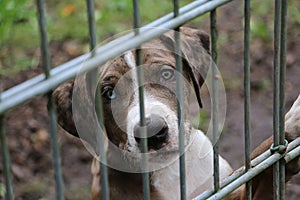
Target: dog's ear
x=195, y=52
x=63, y=100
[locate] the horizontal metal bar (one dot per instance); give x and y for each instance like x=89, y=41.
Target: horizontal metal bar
x=182, y=11
x=255, y=162
x=105, y=55
x=6, y=95
x=80, y=59
x=239, y=177
x=292, y=154
x=246, y=177
x=236, y=174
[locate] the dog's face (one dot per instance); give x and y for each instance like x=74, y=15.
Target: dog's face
x=119, y=87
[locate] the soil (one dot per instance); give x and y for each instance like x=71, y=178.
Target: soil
x=27, y=126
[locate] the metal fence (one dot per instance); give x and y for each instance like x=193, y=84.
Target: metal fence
x=45, y=83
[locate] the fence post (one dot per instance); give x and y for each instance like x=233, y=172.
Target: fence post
x=180, y=112
x=282, y=64
x=6, y=160
x=51, y=104
x=215, y=103
x=247, y=126
x=93, y=79
x=279, y=175
x=140, y=80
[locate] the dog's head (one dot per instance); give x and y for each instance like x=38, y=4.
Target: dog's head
x=119, y=86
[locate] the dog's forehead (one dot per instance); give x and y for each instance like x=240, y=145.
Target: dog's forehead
x=158, y=56
x=150, y=57
x=115, y=68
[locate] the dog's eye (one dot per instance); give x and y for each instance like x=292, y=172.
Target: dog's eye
x=167, y=74
x=109, y=93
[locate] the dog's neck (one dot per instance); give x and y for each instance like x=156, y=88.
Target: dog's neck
x=199, y=170
x=199, y=174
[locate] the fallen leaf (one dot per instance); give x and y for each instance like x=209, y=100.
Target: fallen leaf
x=67, y=10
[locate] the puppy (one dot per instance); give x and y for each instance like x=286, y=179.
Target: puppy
x=118, y=85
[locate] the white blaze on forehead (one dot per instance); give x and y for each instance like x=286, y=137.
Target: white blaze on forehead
x=129, y=59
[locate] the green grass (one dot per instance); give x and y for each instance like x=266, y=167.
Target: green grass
x=2, y=190
x=67, y=20
x=203, y=120
x=19, y=35
x=35, y=188
x=263, y=15
x=79, y=192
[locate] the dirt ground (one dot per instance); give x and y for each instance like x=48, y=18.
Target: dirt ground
x=27, y=126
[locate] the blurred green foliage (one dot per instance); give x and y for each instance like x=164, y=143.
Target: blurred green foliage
x=262, y=16
x=13, y=12
x=2, y=190
x=67, y=20
x=203, y=120
x=35, y=188
x=261, y=22
x=18, y=35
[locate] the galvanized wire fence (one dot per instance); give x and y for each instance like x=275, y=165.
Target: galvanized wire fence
x=45, y=83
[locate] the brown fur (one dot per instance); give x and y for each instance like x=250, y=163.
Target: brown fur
x=128, y=185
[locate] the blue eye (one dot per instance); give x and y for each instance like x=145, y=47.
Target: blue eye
x=167, y=74
x=109, y=94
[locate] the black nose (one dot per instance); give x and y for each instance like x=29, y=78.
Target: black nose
x=157, y=132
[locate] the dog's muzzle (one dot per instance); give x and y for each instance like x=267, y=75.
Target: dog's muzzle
x=157, y=132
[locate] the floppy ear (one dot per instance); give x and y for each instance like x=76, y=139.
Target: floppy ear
x=196, y=55
x=63, y=100
x=195, y=50
x=75, y=105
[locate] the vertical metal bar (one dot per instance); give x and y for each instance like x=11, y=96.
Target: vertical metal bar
x=100, y=140
x=51, y=103
x=6, y=160
x=180, y=112
x=140, y=78
x=5, y=155
x=276, y=80
x=93, y=78
x=55, y=148
x=215, y=129
x=91, y=21
x=247, y=95
x=282, y=94
x=43, y=35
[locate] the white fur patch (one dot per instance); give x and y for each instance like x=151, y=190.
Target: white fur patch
x=199, y=170
x=129, y=59
x=292, y=119
x=152, y=106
